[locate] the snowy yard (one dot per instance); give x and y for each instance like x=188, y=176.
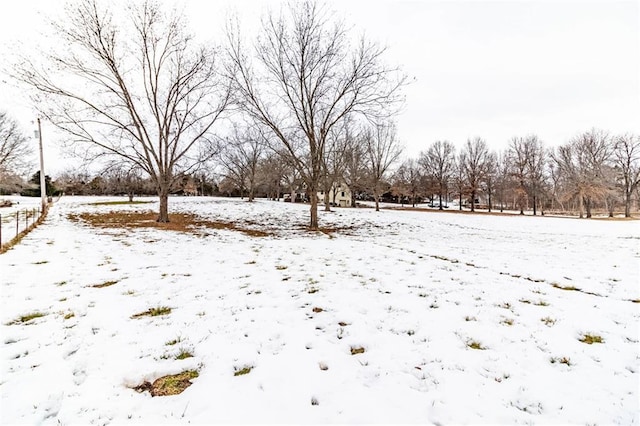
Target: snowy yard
x=394, y=317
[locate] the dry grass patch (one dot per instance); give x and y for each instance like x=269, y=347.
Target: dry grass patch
x=568, y=287
x=355, y=350
x=104, y=284
x=180, y=222
x=475, y=345
x=590, y=339
x=26, y=318
x=168, y=385
x=242, y=371
x=118, y=203
x=153, y=312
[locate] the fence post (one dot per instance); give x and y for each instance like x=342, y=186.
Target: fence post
x=0, y=230
x=17, y=222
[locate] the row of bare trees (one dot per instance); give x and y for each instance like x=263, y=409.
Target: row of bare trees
x=358, y=157
x=594, y=168
x=134, y=85
x=309, y=102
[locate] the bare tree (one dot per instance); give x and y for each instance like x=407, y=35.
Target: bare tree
x=439, y=164
x=627, y=161
x=305, y=80
x=459, y=177
x=581, y=164
x=536, y=161
x=407, y=181
x=355, y=168
x=14, y=147
x=518, y=161
x=475, y=166
x=124, y=178
x=490, y=178
x=382, y=150
x=334, y=163
x=271, y=171
x=502, y=177
x=132, y=86
x=241, y=156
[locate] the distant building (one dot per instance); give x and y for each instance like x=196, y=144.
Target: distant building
x=340, y=195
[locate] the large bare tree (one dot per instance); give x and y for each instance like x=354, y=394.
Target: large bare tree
x=14, y=147
x=303, y=77
x=582, y=166
x=132, y=85
x=528, y=157
x=627, y=162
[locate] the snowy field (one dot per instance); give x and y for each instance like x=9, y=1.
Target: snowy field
x=8, y=214
x=454, y=318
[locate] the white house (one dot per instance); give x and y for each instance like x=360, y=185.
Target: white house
x=340, y=195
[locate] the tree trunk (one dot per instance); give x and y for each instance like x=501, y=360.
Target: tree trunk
x=327, y=206
x=440, y=201
x=627, y=205
x=163, y=214
x=489, y=194
x=130, y=197
x=460, y=202
x=313, y=225
x=535, y=202
x=473, y=201
x=376, y=198
x=588, y=207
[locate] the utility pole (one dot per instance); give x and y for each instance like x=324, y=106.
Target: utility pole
x=43, y=182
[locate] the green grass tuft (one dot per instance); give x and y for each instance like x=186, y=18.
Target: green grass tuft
x=184, y=354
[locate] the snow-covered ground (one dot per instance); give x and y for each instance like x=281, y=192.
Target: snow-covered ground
x=8, y=215
x=416, y=290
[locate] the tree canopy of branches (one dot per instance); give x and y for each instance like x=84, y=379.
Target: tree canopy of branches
x=527, y=158
x=382, y=150
x=581, y=163
x=474, y=165
x=304, y=78
x=438, y=163
x=133, y=86
x=14, y=147
x=627, y=162
x=240, y=158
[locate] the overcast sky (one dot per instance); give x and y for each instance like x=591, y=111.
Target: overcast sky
x=493, y=69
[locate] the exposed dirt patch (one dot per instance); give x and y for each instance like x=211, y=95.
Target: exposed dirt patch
x=168, y=385
x=180, y=222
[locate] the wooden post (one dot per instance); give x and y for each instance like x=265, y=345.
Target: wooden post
x=43, y=182
x=17, y=222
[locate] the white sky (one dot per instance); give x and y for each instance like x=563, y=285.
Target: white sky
x=493, y=69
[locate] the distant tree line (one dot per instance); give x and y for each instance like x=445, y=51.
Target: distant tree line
x=594, y=170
